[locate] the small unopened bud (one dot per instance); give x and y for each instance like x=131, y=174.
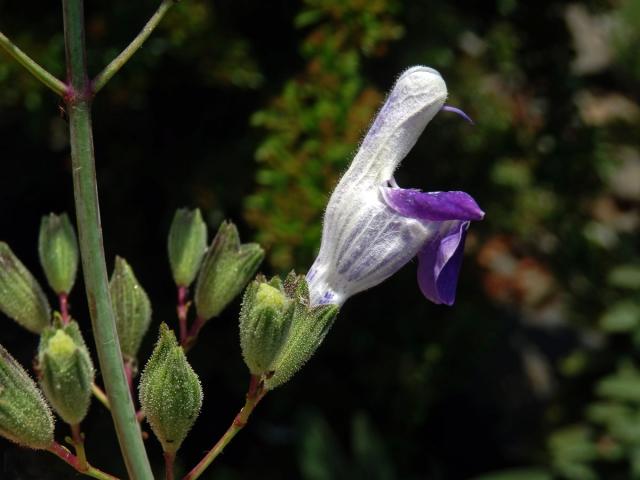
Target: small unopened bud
x=58, y=249
x=21, y=296
x=66, y=371
x=187, y=245
x=131, y=307
x=170, y=392
x=227, y=268
x=264, y=323
x=309, y=326
x=25, y=417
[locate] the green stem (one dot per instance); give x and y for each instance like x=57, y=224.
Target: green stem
x=78, y=101
x=78, y=445
x=117, y=63
x=254, y=395
x=69, y=458
x=100, y=395
x=32, y=66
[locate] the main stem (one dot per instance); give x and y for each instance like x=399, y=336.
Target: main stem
x=78, y=98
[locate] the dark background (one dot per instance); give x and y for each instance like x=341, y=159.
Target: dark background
x=533, y=370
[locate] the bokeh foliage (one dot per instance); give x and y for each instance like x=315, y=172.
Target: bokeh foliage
x=313, y=126
x=534, y=374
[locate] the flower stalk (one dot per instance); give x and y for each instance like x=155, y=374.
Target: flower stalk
x=32, y=66
x=182, y=310
x=78, y=99
x=78, y=445
x=255, y=393
x=117, y=63
x=169, y=460
x=75, y=462
x=64, y=308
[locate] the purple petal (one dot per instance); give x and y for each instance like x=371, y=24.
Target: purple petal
x=439, y=264
x=433, y=206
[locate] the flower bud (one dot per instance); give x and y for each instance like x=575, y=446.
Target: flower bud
x=264, y=323
x=66, y=371
x=170, y=392
x=25, y=417
x=227, y=268
x=187, y=245
x=58, y=249
x=279, y=330
x=307, y=331
x=21, y=296
x=131, y=307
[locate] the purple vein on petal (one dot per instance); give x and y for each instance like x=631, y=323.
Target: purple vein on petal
x=449, y=108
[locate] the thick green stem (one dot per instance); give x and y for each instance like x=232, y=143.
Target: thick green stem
x=118, y=62
x=94, y=268
x=32, y=66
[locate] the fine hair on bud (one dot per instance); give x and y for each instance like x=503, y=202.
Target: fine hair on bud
x=265, y=318
x=186, y=245
x=66, y=371
x=279, y=329
x=226, y=269
x=21, y=296
x=131, y=307
x=25, y=417
x=58, y=251
x=170, y=392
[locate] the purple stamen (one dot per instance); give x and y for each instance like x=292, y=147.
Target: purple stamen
x=449, y=108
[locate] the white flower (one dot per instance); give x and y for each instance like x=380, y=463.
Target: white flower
x=372, y=227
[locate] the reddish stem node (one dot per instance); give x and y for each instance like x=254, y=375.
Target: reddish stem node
x=194, y=331
x=64, y=308
x=169, y=459
x=182, y=309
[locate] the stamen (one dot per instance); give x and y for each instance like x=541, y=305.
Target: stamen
x=449, y=108
x=393, y=183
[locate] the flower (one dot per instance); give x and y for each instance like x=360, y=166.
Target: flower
x=372, y=227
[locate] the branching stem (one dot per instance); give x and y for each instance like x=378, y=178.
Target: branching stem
x=100, y=395
x=117, y=63
x=32, y=66
x=78, y=99
x=69, y=458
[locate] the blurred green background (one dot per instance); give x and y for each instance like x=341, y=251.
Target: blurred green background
x=251, y=110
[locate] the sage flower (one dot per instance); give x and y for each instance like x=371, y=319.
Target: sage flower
x=372, y=227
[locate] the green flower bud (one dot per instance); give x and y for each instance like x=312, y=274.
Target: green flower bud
x=187, y=245
x=170, y=392
x=309, y=326
x=227, y=268
x=131, y=307
x=58, y=249
x=264, y=323
x=21, y=296
x=66, y=371
x=25, y=417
